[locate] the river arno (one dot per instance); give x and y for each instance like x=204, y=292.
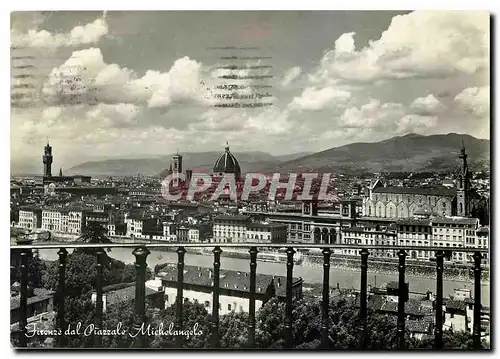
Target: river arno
x=346, y=278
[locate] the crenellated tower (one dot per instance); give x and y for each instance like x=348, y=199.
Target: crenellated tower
x=47, y=161
x=177, y=158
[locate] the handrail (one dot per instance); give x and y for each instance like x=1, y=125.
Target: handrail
x=140, y=251
x=246, y=245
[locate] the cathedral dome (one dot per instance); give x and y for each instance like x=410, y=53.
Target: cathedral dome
x=227, y=163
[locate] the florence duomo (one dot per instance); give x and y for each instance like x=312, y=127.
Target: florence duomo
x=266, y=180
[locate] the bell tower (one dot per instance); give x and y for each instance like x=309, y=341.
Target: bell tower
x=47, y=161
x=463, y=185
x=177, y=158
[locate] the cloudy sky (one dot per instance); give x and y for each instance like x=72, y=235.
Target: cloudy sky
x=135, y=84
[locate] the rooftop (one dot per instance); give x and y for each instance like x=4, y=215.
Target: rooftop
x=436, y=191
x=230, y=279
x=483, y=230
x=234, y=217
x=414, y=222
x=124, y=294
x=40, y=294
x=454, y=220
x=266, y=225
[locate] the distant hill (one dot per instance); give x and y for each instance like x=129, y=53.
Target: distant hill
x=197, y=161
x=411, y=152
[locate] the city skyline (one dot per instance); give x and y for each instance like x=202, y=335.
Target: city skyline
x=338, y=77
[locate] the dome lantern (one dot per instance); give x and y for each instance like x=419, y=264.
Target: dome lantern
x=227, y=163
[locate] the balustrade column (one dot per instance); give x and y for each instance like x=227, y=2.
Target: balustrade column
x=140, y=254
x=401, y=299
x=363, y=298
x=251, y=316
x=180, y=293
x=23, y=300
x=215, y=305
x=438, y=331
x=98, y=302
x=63, y=257
x=288, y=309
x=476, y=328
x=326, y=297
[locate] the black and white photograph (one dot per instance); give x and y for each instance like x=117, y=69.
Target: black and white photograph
x=314, y=180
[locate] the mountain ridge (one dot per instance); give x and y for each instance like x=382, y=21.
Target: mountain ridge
x=410, y=152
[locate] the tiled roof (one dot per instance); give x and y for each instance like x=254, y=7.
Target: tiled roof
x=31, y=208
x=418, y=326
x=456, y=304
x=454, y=220
x=483, y=230
x=414, y=222
x=235, y=217
x=40, y=294
x=229, y=279
x=266, y=225
x=125, y=294
x=434, y=191
x=412, y=307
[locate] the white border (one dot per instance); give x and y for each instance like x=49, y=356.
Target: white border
x=8, y=6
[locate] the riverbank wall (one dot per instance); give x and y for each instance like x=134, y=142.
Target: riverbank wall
x=375, y=265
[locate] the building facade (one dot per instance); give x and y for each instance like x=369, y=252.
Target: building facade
x=30, y=217
x=405, y=202
x=444, y=200
x=234, y=288
x=240, y=229
x=67, y=221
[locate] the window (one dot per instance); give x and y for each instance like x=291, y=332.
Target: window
x=229, y=307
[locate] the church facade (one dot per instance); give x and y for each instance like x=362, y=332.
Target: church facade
x=408, y=202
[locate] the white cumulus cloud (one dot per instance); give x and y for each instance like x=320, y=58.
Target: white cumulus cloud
x=427, y=104
x=314, y=99
x=80, y=35
x=291, y=75
x=416, y=123
x=475, y=100
x=86, y=78
x=373, y=114
x=418, y=44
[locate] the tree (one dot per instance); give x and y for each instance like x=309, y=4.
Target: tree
x=123, y=315
x=94, y=233
x=233, y=330
x=79, y=310
x=344, y=325
x=81, y=273
x=195, y=314
x=451, y=340
x=36, y=268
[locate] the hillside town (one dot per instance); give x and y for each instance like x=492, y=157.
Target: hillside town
x=446, y=210
x=349, y=209
x=443, y=212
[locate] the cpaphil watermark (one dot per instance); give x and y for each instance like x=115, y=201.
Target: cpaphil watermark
x=78, y=329
x=299, y=186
